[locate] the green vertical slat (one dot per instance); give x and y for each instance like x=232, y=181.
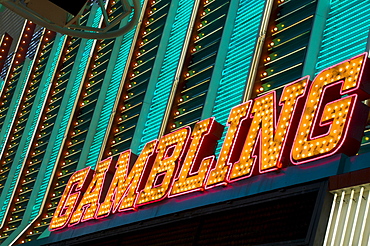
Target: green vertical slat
x=15, y=101
x=346, y=32
x=19, y=158
x=65, y=120
x=114, y=85
x=238, y=60
x=168, y=70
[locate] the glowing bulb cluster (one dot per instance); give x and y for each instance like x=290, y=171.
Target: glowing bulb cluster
x=89, y=203
x=263, y=129
x=198, y=158
x=169, y=152
x=237, y=115
x=122, y=192
x=323, y=110
x=336, y=115
x=76, y=184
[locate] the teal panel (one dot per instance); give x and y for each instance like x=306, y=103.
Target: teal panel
x=63, y=126
x=61, y=130
x=114, y=85
x=238, y=60
x=19, y=159
x=346, y=32
x=15, y=102
x=168, y=71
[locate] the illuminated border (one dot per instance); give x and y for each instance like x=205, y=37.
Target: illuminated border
x=165, y=159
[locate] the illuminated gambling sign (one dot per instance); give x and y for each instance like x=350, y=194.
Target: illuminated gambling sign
x=306, y=121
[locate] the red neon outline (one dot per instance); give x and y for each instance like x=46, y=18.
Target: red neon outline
x=170, y=150
x=115, y=190
x=159, y=175
x=207, y=133
x=140, y=182
x=350, y=110
x=102, y=187
x=328, y=123
x=114, y=209
x=257, y=139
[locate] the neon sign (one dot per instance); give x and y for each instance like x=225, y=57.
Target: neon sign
x=311, y=120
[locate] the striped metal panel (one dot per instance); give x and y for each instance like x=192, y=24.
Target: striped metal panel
x=349, y=217
x=238, y=61
x=167, y=74
x=346, y=32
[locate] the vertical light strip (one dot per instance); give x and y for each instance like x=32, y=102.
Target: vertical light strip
x=62, y=128
x=17, y=67
x=238, y=59
x=31, y=131
x=258, y=50
x=61, y=131
x=168, y=71
x=99, y=120
x=120, y=66
x=179, y=69
x=47, y=167
x=23, y=80
x=330, y=221
x=13, y=59
x=11, y=113
x=354, y=227
x=5, y=44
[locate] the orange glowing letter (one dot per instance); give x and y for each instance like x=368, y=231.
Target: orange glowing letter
x=169, y=153
x=263, y=129
x=89, y=203
x=198, y=158
x=332, y=106
x=70, y=198
x=122, y=192
x=237, y=115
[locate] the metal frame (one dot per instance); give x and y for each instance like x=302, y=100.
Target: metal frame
x=73, y=26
